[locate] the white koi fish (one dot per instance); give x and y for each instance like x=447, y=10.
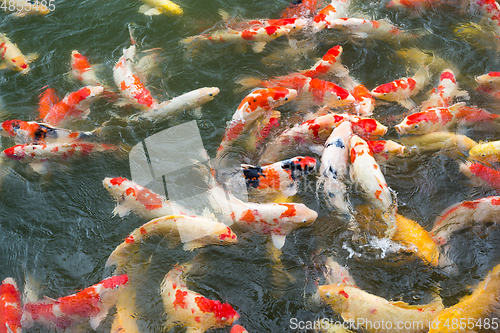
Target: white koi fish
x=365, y=172
x=189, y=309
x=89, y=305
x=200, y=231
x=333, y=170
x=12, y=57
x=445, y=92
x=158, y=7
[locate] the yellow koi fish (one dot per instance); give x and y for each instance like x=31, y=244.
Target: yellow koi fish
x=12, y=57
x=158, y=7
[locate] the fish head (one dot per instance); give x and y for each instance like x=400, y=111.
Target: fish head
x=333, y=54
x=167, y=6
x=208, y=94
x=334, y=295
x=20, y=64
x=223, y=236
x=387, y=91
x=483, y=152
x=79, y=62
x=109, y=290
x=116, y=186
x=16, y=152
x=492, y=78
x=417, y=123
x=10, y=127
x=368, y=127
x=299, y=166
x=336, y=95
x=297, y=215
x=321, y=20
x=95, y=90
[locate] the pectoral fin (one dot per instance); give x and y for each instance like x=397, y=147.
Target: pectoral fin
x=258, y=47
x=121, y=210
x=148, y=10
x=278, y=240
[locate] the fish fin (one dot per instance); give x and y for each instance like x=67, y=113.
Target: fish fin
x=278, y=240
x=249, y=82
x=197, y=112
x=407, y=103
x=224, y=15
x=258, y=47
x=32, y=57
x=148, y=10
x=3, y=65
x=317, y=149
x=48, y=299
x=121, y=210
x=40, y=167
x=191, y=245
x=96, y=320
x=20, y=14
x=31, y=289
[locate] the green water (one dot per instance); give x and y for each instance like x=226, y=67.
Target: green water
x=59, y=228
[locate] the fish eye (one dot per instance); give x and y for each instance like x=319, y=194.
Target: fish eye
x=385, y=94
x=286, y=98
x=210, y=94
x=387, y=151
x=338, y=98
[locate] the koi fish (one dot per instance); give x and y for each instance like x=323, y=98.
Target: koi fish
x=158, y=7
x=438, y=141
x=197, y=231
x=124, y=321
x=385, y=150
x=188, y=101
x=335, y=10
x=357, y=305
x=329, y=63
x=463, y=215
x=482, y=302
x=12, y=57
x=301, y=8
x=47, y=100
x=413, y=5
x=491, y=9
x=82, y=71
x=336, y=274
x=24, y=8
x=75, y=105
x=312, y=134
x=446, y=91
x=253, y=106
x=486, y=152
x=365, y=103
x=190, y=309
x=481, y=174
x=238, y=329
x=417, y=239
x=10, y=307
x=143, y=202
x=432, y=119
x=365, y=172
x=91, y=304
x=401, y=90
x=489, y=84
x=333, y=170
x=31, y=132
x=280, y=177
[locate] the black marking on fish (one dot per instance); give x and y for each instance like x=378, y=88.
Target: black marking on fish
x=252, y=176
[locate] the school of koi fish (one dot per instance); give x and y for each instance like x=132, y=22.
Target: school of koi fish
x=319, y=125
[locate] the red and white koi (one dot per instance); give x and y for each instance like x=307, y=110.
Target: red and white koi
x=303, y=9
x=256, y=104
x=333, y=171
x=489, y=84
x=10, y=307
x=189, y=309
x=336, y=274
x=194, y=231
x=329, y=63
x=361, y=28
x=336, y=9
x=491, y=9
x=82, y=71
x=132, y=197
x=312, y=134
x=75, y=105
x=280, y=177
x=48, y=98
x=446, y=91
x=365, y=103
x=401, y=90
x=365, y=172
x=463, y=215
x=481, y=174
x=12, y=57
x=31, y=132
x=89, y=305
x=385, y=150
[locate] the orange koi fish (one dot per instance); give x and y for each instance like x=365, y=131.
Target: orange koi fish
x=75, y=105
x=481, y=174
x=91, y=304
x=473, y=308
x=10, y=307
x=329, y=63
x=333, y=171
x=190, y=309
x=365, y=172
x=13, y=57
x=238, y=329
x=401, y=90
x=132, y=197
x=463, y=215
x=365, y=103
x=385, y=150
x=446, y=91
x=358, y=306
x=335, y=10
x=301, y=8
x=256, y=104
x=47, y=100
x=279, y=177
x=31, y=132
x=82, y=71
x=194, y=230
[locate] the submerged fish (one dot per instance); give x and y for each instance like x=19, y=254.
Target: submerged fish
x=24, y=8
x=47, y=100
x=89, y=305
x=336, y=274
x=10, y=307
x=336, y=9
x=438, y=141
x=158, y=7
x=481, y=174
x=189, y=309
x=12, y=57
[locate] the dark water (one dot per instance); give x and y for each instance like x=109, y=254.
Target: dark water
x=59, y=228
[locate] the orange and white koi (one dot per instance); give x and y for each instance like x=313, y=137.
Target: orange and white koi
x=31, y=132
x=24, y=8
x=333, y=171
x=189, y=309
x=385, y=150
x=489, y=84
x=132, y=197
x=329, y=63
x=365, y=103
x=487, y=152
x=336, y=9
x=365, y=172
x=401, y=90
x=279, y=177
x=75, y=105
x=47, y=100
x=158, y=7
x=82, y=71
x=196, y=231
x=445, y=92
x=480, y=174
x=312, y=134
x=358, y=306
x=301, y=8
x=472, y=308
x=12, y=57
x=463, y=215
x=10, y=307
x=89, y=305
x=253, y=106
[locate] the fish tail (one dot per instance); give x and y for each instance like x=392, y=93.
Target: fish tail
x=248, y=82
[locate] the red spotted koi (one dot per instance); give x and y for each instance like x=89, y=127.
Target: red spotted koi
x=445, y=92
x=82, y=70
x=91, y=304
x=75, y=105
x=481, y=174
x=401, y=90
x=195, y=231
x=12, y=56
x=279, y=177
x=10, y=307
x=189, y=309
x=489, y=84
x=329, y=63
x=385, y=150
x=491, y=9
x=301, y=8
x=365, y=103
x=336, y=274
x=335, y=10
